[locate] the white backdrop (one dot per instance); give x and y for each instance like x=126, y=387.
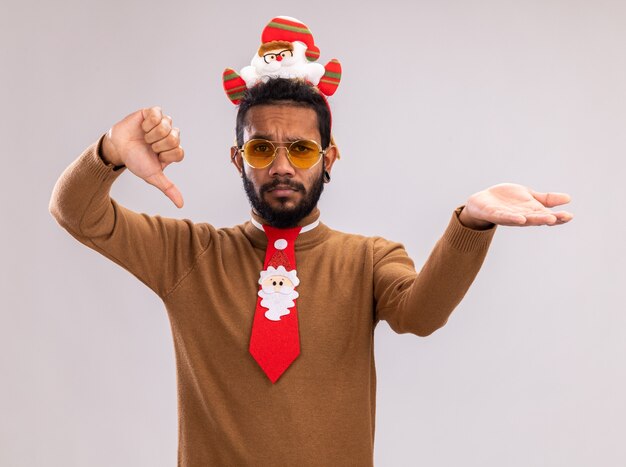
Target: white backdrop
x=437, y=100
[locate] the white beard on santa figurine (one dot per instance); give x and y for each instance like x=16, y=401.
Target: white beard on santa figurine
x=282, y=63
x=278, y=291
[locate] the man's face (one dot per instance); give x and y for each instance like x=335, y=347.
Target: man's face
x=281, y=193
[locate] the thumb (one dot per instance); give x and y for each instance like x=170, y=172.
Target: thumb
x=164, y=184
x=551, y=199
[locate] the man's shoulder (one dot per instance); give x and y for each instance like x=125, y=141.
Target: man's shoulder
x=348, y=238
x=360, y=248
x=181, y=227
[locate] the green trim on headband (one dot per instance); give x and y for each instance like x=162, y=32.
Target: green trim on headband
x=230, y=76
x=239, y=95
x=237, y=88
x=287, y=27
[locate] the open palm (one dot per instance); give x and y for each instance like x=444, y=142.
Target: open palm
x=517, y=205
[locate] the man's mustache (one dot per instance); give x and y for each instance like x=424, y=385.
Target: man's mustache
x=285, y=182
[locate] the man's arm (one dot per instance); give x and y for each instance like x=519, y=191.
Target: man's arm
x=421, y=303
x=156, y=250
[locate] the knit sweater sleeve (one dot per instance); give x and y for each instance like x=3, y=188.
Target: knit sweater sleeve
x=158, y=251
x=421, y=303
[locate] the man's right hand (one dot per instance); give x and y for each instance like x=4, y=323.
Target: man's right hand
x=145, y=142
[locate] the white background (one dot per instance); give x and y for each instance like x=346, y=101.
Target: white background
x=438, y=100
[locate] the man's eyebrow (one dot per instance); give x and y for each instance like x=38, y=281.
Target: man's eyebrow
x=260, y=136
x=290, y=139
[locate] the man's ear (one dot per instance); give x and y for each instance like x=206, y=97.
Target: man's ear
x=235, y=158
x=330, y=156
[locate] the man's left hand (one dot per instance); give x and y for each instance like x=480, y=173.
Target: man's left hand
x=515, y=205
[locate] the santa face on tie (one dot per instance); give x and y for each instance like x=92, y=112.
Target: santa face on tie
x=278, y=291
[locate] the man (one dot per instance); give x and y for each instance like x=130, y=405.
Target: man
x=248, y=395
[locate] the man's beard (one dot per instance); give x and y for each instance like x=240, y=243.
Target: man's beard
x=284, y=218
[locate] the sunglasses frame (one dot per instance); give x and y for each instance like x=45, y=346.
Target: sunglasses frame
x=284, y=144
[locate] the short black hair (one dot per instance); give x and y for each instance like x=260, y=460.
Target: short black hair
x=290, y=91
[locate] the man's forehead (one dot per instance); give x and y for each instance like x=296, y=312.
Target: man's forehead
x=284, y=116
x=279, y=108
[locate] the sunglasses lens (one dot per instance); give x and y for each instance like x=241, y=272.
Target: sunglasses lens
x=304, y=154
x=259, y=153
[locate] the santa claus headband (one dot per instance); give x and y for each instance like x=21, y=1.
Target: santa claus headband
x=287, y=51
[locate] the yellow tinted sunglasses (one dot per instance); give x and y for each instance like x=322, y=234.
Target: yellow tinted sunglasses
x=260, y=153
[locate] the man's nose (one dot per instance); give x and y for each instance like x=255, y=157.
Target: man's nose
x=279, y=58
x=281, y=164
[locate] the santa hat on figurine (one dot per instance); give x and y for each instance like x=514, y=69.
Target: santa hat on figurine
x=287, y=50
x=284, y=28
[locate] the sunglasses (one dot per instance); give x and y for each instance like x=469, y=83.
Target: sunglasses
x=260, y=153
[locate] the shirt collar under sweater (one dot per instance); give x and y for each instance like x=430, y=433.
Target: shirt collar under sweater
x=304, y=241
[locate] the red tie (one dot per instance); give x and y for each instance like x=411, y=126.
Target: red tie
x=275, y=342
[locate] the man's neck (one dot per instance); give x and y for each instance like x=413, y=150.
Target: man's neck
x=311, y=218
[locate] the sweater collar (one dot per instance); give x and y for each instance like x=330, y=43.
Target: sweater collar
x=305, y=228
x=313, y=231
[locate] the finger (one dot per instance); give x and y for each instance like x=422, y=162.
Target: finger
x=535, y=219
x=162, y=130
x=558, y=222
x=563, y=216
x=501, y=217
x=168, y=119
x=151, y=118
x=171, y=141
x=173, y=155
x=160, y=181
x=550, y=200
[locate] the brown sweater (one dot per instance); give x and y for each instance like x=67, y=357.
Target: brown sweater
x=321, y=411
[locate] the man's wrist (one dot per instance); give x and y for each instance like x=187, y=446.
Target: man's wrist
x=471, y=222
x=102, y=153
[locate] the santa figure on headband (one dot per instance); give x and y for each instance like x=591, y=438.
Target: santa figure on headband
x=287, y=51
